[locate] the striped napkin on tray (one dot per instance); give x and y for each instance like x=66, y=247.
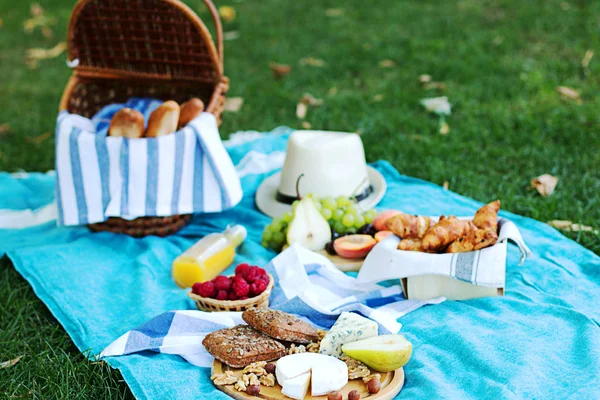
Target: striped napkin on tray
x=98, y=177
x=307, y=285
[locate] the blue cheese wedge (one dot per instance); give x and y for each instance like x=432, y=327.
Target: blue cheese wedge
x=349, y=327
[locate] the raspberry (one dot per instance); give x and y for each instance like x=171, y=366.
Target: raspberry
x=206, y=289
x=222, y=283
x=239, y=270
x=222, y=295
x=251, y=274
x=196, y=288
x=241, y=287
x=258, y=287
x=243, y=297
x=262, y=272
x=233, y=296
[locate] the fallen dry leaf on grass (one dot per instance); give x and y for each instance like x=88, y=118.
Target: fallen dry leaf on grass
x=4, y=129
x=378, y=97
x=425, y=78
x=1, y=22
x=227, y=13
x=38, y=139
x=312, y=62
x=386, y=64
x=571, y=227
x=585, y=62
x=334, y=12
x=305, y=101
x=445, y=185
x=544, y=184
x=569, y=93
x=231, y=35
x=301, y=110
x=444, y=128
x=10, y=363
x=306, y=125
x=233, y=104
x=33, y=56
x=437, y=105
x=39, y=19
x=280, y=70
x=332, y=91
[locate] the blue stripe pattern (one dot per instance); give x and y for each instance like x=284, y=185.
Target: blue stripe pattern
x=223, y=190
x=198, y=195
x=77, y=176
x=124, y=163
x=99, y=191
x=152, y=177
x=179, y=149
x=104, y=164
x=61, y=217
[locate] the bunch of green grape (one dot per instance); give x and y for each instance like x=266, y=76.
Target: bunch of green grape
x=343, y=214
x=274, y=235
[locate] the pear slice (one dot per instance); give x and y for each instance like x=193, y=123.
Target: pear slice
x=383, y=353
x=308, y=227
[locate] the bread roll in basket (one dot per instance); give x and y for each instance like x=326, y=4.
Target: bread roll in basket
x=158, y=49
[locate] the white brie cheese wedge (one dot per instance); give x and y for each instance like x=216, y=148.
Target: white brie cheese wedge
x=328, y=374
x=291, y=366
x=349, y=327
x=297, y=387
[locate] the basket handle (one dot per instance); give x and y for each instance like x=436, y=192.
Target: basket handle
x=218, y=27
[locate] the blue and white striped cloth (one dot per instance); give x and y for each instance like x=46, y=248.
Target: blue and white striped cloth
x=100, y=177
x=306, y=285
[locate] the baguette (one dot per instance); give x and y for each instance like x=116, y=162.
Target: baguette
x=127, y=123
x=280, y=325
x=190, y=110
x=163, y=120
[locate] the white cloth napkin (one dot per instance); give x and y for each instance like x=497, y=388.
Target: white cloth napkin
x=307, y=284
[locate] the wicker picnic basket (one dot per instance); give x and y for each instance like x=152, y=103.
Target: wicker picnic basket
x=142, y=48
x=208, y=304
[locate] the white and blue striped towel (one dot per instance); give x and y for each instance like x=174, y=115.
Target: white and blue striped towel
x=306, y=285
x=100, y=177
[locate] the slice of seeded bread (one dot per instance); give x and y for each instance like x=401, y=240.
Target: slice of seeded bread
x=280, y=325
x=241, y=346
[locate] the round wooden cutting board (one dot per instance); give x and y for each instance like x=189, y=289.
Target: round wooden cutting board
x=344, y=264
x=391, y=384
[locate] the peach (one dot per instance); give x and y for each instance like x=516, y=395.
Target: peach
x=379, y=236
x=354, y=246
x=379, y=221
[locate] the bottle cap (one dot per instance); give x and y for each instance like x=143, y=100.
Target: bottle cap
x=236, y=234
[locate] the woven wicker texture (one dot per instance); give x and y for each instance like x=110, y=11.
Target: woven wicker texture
x=151, y=38
x=143, y=48
x=208, y=304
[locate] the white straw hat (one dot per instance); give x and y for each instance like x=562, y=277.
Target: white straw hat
x=323, y=164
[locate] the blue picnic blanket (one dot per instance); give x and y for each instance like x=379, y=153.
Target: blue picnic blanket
x=541, y=340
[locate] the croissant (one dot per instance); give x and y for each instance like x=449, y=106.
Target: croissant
x=408, y=226
x=410, y=245
x=446, y=231
x=476, y=239
x=487, y=216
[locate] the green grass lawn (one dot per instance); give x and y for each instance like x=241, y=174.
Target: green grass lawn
x=500, y=61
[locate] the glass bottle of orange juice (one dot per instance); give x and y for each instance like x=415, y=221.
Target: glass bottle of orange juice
x=208, y=257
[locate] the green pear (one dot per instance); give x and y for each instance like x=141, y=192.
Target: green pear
x=308, y=227
x=383, y=353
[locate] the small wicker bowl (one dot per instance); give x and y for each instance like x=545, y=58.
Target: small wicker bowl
x=208, y=304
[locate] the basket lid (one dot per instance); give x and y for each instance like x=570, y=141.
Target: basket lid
x=156, y=39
